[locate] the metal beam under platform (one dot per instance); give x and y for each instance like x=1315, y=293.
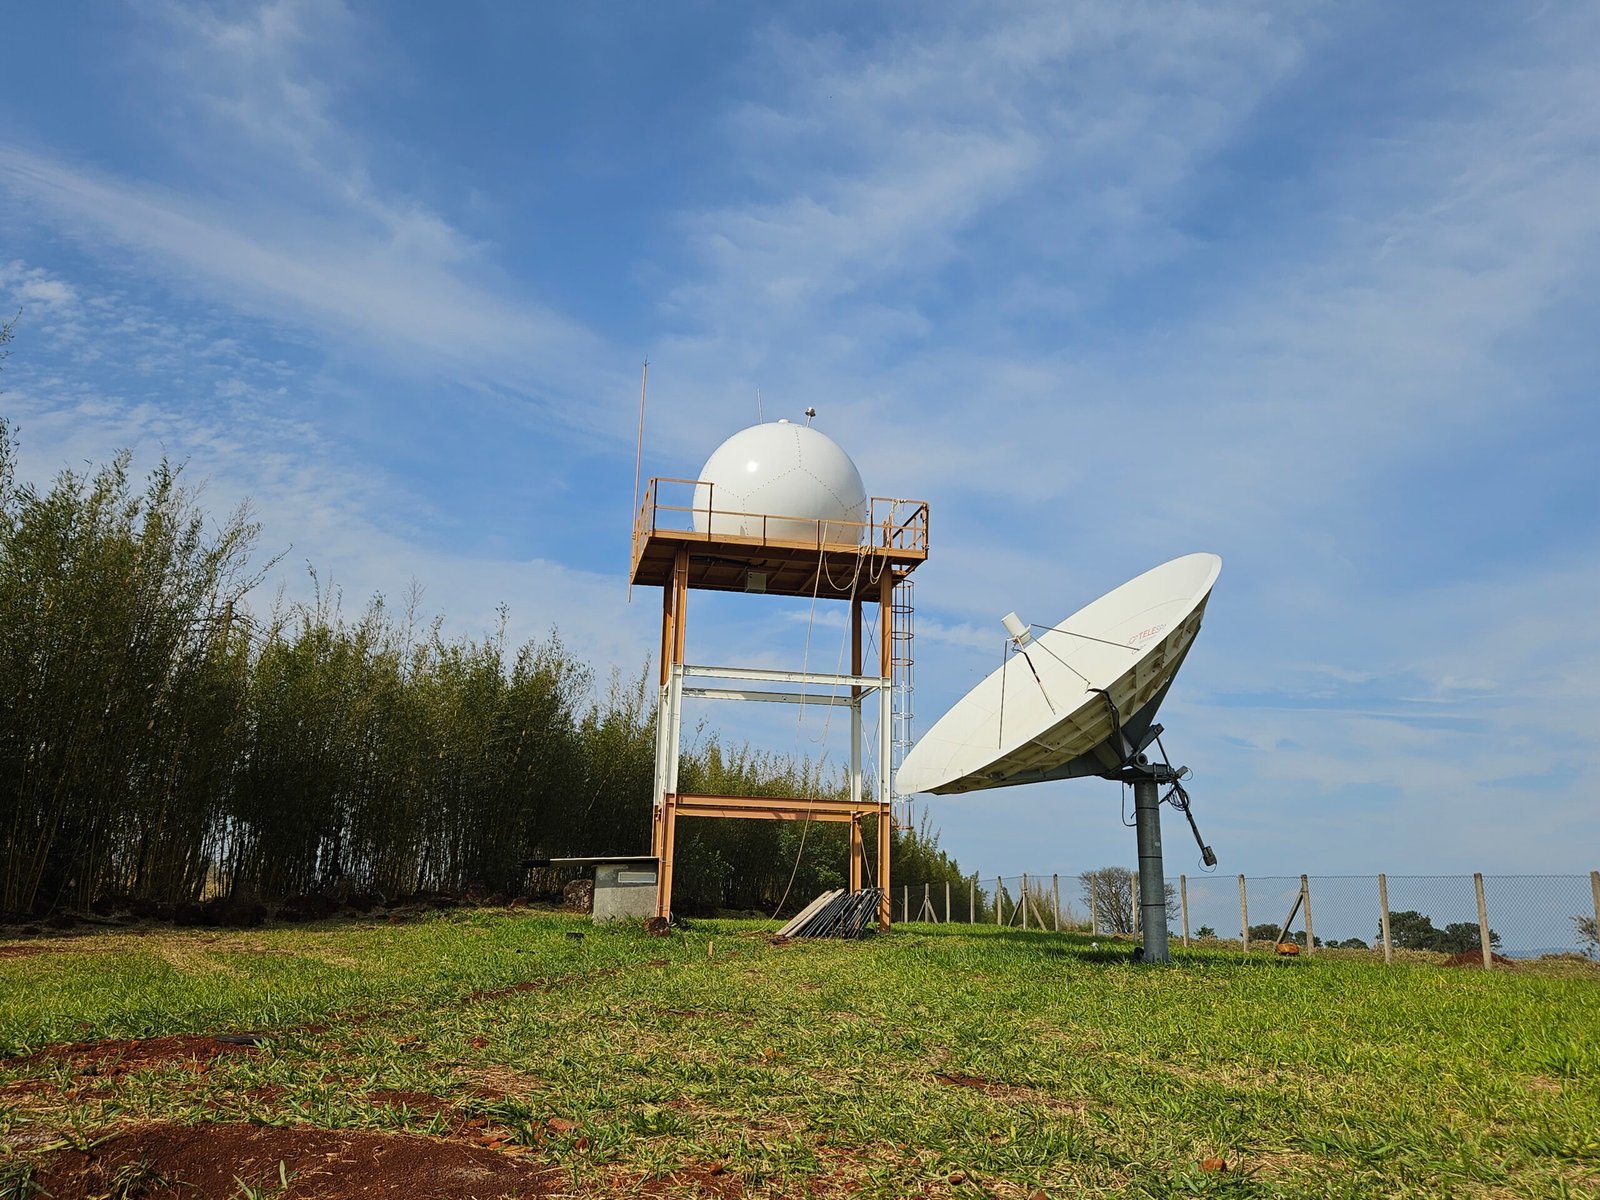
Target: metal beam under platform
x=772, y=808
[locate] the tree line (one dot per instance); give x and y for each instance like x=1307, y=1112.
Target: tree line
x=160, y=741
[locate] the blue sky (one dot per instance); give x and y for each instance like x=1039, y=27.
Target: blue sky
x=1312, y=287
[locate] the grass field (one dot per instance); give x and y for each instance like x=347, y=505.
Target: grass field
x=939, y=1060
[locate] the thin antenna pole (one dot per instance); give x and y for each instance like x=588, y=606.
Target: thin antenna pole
x=761, y=415
x=638, y=453
x=638, y=457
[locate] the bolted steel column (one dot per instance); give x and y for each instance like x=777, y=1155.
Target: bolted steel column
x=1152, y=884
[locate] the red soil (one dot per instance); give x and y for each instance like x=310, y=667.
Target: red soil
x=211, y=1161
x=1474, y=958
x=199, y=1162
x=540, y=985
x=118, y=1056
x=418, y=1102
x=712, y=1180
x=957, y=1079
x=430, y=1107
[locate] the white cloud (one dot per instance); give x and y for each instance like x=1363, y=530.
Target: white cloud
x=1008, y=152
x=334, y=284
x=334, y=255
x=50, y=292
x=916, y=202
x=1016, y=257
x=35, y=288
x=242, y=444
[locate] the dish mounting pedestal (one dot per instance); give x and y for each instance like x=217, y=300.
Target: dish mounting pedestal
x=1147, y=778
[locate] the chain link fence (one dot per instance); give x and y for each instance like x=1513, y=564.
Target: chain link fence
x=1520, y=916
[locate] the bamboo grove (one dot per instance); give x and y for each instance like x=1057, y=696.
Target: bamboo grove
x=159, y=742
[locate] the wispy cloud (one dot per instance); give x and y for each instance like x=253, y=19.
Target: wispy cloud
x=917, y=196
x=333, y=254
x=1103, y=283
x=325, y=279
x=942, y=218
x=352, y=522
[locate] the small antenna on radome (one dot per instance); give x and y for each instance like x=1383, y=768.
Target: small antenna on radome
x=811, y=414
x=760, y=415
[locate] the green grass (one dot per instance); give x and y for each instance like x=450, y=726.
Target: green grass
x=812, y=1066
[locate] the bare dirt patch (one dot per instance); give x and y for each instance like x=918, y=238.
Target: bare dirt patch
x=957, y=1079
x=118, y=1056
x=712, y=1179
x=1474, y=958
x=198, y=1162
x=24, y=1087
x=549, y=984
x=1019, y=1093
x=16, y=951
x=494, y=1081
x=425, y=1103
x=432, y=1108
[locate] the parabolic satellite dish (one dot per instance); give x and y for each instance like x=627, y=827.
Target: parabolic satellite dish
x=1079, y=699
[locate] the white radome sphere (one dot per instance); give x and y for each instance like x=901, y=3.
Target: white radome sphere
x=780, y=469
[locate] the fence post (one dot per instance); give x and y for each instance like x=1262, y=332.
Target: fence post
x=1244, y=918
x=905, y=902
x=1594, y=886
x=1183, y=900
x=1094, y=903
x=997, y=883
x=1024, y=900
x=1305, y=897
x=972, y=901
x=1383, y=916
x=1133, y=903
x=947, y=902
x=1055, y=897
x=1483, y=920
x=926, y=907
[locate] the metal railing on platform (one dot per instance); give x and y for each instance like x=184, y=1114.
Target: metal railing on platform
x=891, y=524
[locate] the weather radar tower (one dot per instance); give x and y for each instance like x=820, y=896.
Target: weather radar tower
x=779, y=510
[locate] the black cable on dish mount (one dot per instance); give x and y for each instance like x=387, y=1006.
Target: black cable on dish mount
x=1178, y=797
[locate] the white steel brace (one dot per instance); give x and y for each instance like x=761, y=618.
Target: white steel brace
x=714, y=693
x=764, y=675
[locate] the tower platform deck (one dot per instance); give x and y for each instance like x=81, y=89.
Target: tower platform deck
x=839, y=560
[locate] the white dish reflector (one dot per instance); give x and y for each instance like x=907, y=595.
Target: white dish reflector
x=1053, y=721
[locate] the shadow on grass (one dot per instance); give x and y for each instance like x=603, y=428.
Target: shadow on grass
x=1086, y=948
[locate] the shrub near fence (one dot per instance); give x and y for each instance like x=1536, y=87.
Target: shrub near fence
x=1525, y=916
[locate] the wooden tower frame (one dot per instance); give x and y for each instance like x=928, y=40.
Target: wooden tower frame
x=858, y=562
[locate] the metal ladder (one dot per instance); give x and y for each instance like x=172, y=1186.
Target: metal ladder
x=902, y=627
